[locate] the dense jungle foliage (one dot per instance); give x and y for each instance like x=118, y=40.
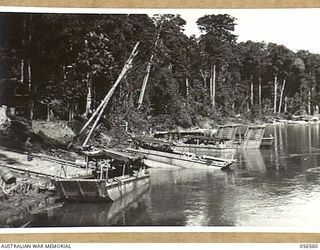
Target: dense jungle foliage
x=56, y=59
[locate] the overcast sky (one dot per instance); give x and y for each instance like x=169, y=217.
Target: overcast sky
x=295, y=28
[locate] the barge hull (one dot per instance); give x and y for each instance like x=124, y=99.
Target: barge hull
x=183, y=161
x=96, y=190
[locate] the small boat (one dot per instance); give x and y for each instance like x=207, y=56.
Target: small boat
x=267, y=141
x=164, y=152
x=228, y=138
x=111, y=176
x=204, y=144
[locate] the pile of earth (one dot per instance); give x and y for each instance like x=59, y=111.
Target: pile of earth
x=49, y=138
x=53, y=137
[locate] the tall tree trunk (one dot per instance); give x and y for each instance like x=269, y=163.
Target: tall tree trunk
x=187, y=86
x=29, y=46
x=281, y=94
x=275, y=94
x=286, y=104
x=70, y=112
x=89, y=96
x=22, y=71
x=30, y=91
x=24, y=49
x=251, y=90
x=213, y=85
x=145, y=81
x=29, y=76
x=260, y=102
x=309, y=102
x=31, y=109
x=316, y=110
x=146, y=77
x=48, y=112
x=64, y=73
x=204, y=79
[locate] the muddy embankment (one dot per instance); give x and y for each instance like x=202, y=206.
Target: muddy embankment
x=19, y=201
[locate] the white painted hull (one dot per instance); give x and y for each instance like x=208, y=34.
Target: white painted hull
x=184, y=161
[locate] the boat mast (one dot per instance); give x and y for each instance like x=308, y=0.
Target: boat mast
x=99, y=111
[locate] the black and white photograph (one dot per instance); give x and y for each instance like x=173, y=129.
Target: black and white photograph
x=184, y=118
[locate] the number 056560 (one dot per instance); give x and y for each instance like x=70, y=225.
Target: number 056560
x=308, y=246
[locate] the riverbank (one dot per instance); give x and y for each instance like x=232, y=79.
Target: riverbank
x=31, y=191
x=17, y=210
x=23, y=198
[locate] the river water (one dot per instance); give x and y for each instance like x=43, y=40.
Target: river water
x=272, y=187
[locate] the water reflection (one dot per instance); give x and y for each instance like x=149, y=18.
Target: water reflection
x=252, y=159
x=90, y=214
x=189, y=197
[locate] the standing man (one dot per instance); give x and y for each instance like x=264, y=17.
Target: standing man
x=28, y=147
